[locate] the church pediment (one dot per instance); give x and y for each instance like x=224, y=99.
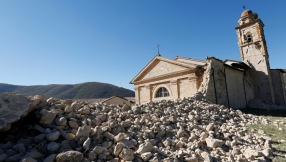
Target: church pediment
x=160, y=66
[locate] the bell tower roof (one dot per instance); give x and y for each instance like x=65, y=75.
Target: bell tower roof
x=247, y=16
x=245, y=13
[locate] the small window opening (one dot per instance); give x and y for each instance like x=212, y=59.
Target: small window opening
x=247, y=38
x=162, y=92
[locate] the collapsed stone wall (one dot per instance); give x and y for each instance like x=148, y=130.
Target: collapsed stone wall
x=192, y=129
x=225, y=85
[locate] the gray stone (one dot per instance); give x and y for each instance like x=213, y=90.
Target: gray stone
x=34, y=153
x=20, y=148
x=28, y=160
x=53, y=136
x=126, y=154
x=98, y=150
x=71, y=156
x=145, y=147
x=61, y=121
x=39, y=138
x=206, y=156
x=11, y=152
x=108, y=135
x=118, y=148
x=86, y=144
x=14, y=158
x=47, y=117
x=52, y=146
x=75, y=106
x=3, y=157
x=191, y=159
x=82, y=131
x=73, y=124
x=50, y=158
x=213, y=143
x=146, y=156
x=119, y=137
x=84, y=111
x=98, y=130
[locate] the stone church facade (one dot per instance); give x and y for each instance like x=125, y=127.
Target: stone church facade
x=230, y=83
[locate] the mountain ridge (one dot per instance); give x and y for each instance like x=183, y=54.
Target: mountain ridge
x=85, y=90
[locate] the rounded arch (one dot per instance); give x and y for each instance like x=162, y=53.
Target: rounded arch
x=158, y=88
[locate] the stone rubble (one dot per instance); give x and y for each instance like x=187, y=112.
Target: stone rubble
x=191, y=129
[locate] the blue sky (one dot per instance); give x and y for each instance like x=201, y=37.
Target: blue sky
x=110, y=41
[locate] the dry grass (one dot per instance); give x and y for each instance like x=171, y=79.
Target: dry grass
x=278, y=120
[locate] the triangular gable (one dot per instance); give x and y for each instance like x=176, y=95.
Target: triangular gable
x=161, y=66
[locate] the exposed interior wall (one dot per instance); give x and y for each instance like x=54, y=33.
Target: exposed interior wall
x=237, y=87
x=214, y=86
x=278, y=87
x=207, y=86
x=226, y=86
x=248, y=85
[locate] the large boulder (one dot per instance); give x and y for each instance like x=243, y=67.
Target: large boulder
x=14, y=106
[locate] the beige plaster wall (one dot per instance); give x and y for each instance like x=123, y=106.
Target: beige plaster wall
x=117, y=101
x=187, y=87
x=161, y=68
x=144, y=94
x=278, y=87
x=182, y=85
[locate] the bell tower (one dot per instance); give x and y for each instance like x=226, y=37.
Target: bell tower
x=253, y=51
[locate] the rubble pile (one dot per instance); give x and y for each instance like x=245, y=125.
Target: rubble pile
x=191, y=129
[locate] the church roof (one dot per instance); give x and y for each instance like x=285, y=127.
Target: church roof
x=115, y=97
x=281, y=70
x=190, y=60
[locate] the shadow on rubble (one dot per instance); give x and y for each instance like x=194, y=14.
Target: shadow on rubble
x=20, y=129
x=259, y=112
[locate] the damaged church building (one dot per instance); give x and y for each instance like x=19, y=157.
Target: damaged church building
x=230, y=83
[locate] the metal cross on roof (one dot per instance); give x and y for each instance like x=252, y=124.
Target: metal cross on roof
x=158, y=46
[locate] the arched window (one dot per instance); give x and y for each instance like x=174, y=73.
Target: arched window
x=162, y=92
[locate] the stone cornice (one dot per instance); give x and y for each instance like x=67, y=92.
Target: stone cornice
x=182, y=72
x=250, y=23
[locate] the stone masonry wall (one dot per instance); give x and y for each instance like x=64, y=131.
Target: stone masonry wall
x=260, y=72
x=239, y=87
x=226, y=86
x=278, y=87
